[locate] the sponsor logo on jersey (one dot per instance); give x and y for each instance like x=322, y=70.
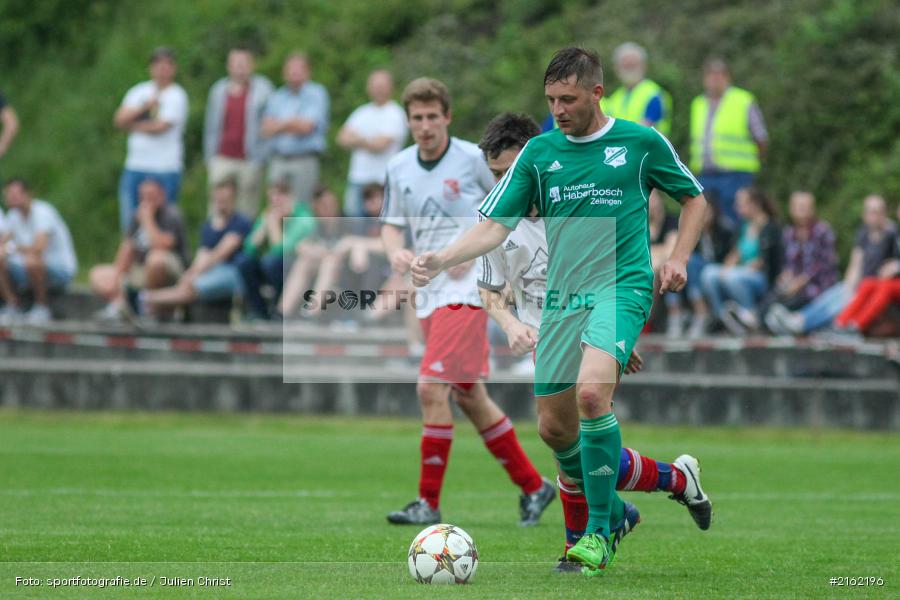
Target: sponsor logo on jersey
x=603, y=471
x=451, y=189
x=555, y=166
x=554, y=194
x=435, y=223
x=615, y=156
x=536, y=273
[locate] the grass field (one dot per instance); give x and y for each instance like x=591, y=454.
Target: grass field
x=293, y=507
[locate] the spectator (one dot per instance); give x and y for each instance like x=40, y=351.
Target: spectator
x=735, y=287
x=874, y=296
x=663, y=231
x=318, y=252
x=213, y=275
x=728, y=137
x=232, y=145
x=10, y=123
x=639, y=99
x=810, y=255
x=154, y=114
x=374, y=132
x=873, y=247
x=295, y=121
x=716, y=241
x=269, y=242
x=36, y=254
x=153, y=254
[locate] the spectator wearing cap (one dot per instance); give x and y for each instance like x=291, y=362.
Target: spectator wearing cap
x=295, y=123
x=36, y=254
x=374, y=132
x=152, y=255
x=232, y=145
x=154, y=114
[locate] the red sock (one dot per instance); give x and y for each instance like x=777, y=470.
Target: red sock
x=648, y=475
x=501, y=440
x=436, y=440
x=575, y=512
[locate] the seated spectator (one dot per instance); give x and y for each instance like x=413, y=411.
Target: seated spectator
x=663, y=232
x=873, y=247
x=735, y=288
x=810, y=255
x=153, y=254
x=267, y=246
x=36, y=254
x=716, y=241
x=213, y=275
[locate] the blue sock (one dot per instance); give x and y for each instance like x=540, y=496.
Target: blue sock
x=664, y=476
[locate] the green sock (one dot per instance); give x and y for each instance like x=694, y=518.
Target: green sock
x=616, y=511
x=570, y=463
x=601, y=444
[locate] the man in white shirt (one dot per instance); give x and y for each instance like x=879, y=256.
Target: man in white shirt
x=433, y=188
x=36, y=253
x=374, y=132
x=154, y=114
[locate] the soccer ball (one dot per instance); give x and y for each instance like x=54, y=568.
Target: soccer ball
x=442, y=554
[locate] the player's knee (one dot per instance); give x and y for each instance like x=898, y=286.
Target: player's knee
x=593, y=398
x=553, y=433
x=431, y=395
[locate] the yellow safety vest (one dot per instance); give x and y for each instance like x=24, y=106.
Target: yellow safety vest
x=631, y=105
x=732, y=145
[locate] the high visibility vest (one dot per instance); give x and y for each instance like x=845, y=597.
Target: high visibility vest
x=732, y=145
x=631, y=105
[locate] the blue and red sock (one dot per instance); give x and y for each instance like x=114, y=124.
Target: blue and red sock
x=643, y=474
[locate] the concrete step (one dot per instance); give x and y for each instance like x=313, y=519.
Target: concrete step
x=657, y=398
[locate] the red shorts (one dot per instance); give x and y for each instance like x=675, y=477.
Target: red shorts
x=456, y=346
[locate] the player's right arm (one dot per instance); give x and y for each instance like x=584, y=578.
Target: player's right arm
x=393, y=226
x=493, y=278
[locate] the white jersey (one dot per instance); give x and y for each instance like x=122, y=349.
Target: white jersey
x=520, y=261
x=438, y=201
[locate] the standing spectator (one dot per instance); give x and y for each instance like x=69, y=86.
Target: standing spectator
x=213, y=275
x=152, y=255
x=872, y=248
x=276, y=232
x=232, y=145
x=640, y=99
x=874, y=296
x=728, y=137
x=735, y=288
x=10, y=123
x=154, y=114
x=36, y=253
x=663, y=229
x=295, y=122
x=374, y=132
x=809, y=252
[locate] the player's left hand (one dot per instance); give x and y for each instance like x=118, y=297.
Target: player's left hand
x=635, y=363
x=424, y=268
x=672, y=276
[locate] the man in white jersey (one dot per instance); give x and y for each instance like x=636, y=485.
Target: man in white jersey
x=434, y=188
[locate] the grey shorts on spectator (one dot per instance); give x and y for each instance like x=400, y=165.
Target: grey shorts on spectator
x=137, y=274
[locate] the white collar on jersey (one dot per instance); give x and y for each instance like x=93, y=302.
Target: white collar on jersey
x=594, y=136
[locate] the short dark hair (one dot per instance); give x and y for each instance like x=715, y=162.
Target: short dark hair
x=584, y=64
x=162, y=52
x=226, y=182
x=370, y=190
x=21, y=181
x=507, y=130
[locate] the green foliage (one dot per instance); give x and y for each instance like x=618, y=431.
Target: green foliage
x=825, y=73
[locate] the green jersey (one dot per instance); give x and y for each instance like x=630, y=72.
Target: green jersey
x=593, y=194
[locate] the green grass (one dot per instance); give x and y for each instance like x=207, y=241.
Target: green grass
x=293, y=507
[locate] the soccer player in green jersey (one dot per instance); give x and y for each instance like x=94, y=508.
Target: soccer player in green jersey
x=590, y=180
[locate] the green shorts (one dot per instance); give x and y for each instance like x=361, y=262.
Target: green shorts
x=611, y=326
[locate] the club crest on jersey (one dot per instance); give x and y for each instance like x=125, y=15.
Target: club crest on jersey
x=615, y=156
x=451, y=189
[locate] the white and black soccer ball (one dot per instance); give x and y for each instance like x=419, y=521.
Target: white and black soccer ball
x=443, y=554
